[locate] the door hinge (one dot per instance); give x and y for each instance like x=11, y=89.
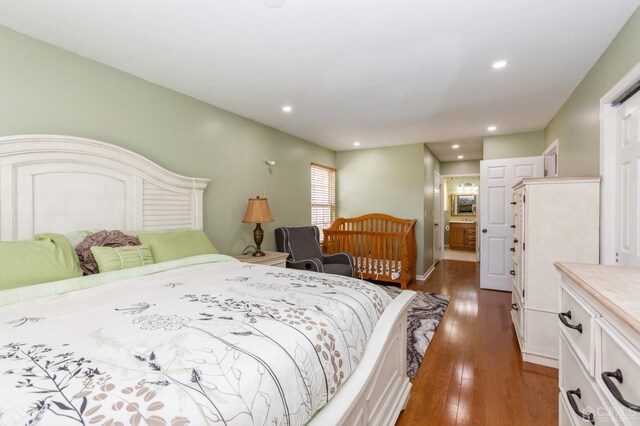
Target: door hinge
x=522, y=294
x=524, y=246
x=524, y=198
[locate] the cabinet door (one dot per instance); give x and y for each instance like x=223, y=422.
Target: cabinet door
x=456, y=237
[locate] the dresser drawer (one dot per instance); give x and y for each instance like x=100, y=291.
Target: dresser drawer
x=577, y=386
x=516, y=275
x=517, y=315
x=577, y=323
x=516, y=282
x=619, y=361
x=564, y=411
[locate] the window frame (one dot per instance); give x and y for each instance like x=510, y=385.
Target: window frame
x=327, y=191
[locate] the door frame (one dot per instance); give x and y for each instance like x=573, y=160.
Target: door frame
x=442, y=197
x=440, y=234
x=554, y=150
x=608, y=136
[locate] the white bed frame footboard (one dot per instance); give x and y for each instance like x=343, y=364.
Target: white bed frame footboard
x=378, y=390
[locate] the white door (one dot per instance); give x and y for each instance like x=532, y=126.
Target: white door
x=627, y=158
x=497, y=178
x=437, y=218
x=478, y=220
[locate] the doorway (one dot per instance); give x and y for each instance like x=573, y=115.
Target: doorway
x=497, y=178
x=460, y=217
x=619, y=167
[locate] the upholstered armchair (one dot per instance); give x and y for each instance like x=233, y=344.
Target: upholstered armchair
x=303, y=245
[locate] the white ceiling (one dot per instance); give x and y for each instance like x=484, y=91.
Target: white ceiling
x=470, y=149
x=379, y=72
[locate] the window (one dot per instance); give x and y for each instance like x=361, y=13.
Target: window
x=323, y=196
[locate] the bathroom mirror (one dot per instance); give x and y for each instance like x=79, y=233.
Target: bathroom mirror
x=463, y=204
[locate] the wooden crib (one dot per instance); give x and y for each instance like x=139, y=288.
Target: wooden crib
x=383, y=247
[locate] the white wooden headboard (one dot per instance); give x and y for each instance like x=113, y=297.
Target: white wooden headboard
x=51, y=183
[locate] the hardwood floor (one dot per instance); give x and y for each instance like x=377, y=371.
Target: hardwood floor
x=472, y=372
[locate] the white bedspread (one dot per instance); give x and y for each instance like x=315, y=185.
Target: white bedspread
x=222, y=343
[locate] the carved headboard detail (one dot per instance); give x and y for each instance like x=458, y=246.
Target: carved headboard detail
x=51, y=183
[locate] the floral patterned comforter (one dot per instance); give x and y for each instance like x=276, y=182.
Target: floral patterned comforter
x=223, y=343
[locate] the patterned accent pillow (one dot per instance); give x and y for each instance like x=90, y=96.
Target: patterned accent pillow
x=119, y=258
x=101, y=239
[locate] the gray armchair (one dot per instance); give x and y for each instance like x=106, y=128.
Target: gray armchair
x=303, y=245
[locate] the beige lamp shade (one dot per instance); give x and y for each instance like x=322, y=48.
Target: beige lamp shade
x=257, y=211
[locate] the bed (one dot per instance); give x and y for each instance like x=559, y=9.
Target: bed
x=200, y=340
x=383, y=247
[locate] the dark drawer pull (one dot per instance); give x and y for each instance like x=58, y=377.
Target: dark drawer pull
x=514, y=307
x=513, y=226
x=574, y=406
x=512, y=249
x=563, y=318
x=512, y=272
x=513, y=203
x=606, y=377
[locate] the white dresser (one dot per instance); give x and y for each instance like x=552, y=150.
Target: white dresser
x=599, y=323
x=554, y=219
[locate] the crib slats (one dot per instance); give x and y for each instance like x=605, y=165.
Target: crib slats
x=382, y=246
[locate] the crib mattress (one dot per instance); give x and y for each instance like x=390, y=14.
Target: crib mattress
x=370, y=265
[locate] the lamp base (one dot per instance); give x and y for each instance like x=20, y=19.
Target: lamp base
x=258, y=235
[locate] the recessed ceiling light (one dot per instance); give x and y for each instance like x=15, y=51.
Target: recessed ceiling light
x=460, y=157
x=499, y=64
x=356, y=144
x=456, y=146
x=287, y=108
x=492, y=128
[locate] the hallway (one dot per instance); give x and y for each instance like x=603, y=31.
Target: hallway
x=472, y=372
x=464, y=256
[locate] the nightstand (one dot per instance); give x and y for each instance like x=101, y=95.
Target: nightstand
x=271, y=258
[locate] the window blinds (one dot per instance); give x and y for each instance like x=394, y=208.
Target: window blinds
x=323, y=196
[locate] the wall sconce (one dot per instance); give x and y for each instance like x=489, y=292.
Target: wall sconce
x=468, y=187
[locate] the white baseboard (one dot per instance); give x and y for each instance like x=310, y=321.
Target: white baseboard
x=426, y=274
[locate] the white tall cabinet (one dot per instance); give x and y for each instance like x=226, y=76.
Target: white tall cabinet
x=554, y=219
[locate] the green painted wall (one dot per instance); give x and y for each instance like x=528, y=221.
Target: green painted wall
x=44, y=89
x=471, y=167
x=577, y=123
x=384, y=180
x=513, y=145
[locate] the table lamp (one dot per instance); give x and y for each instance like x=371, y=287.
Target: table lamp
x=258, y=212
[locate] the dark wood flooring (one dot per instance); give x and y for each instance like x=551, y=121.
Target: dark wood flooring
x=472, y=372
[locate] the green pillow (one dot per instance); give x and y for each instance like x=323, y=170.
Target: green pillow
x=119, y=258
x=49, y=257
x=76, y=237
x=166, y=246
